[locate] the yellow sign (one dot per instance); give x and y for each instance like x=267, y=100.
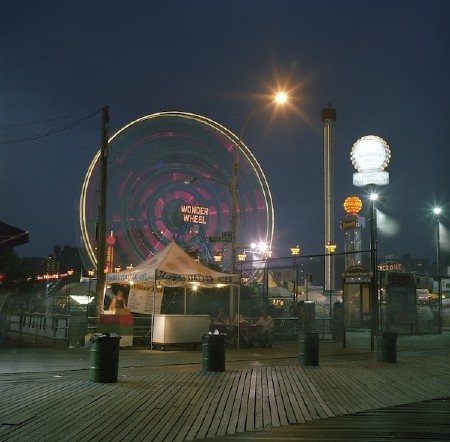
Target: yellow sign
x=194, y=214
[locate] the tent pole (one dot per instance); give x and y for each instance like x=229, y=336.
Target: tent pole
x=153, y=313
x=239, y=313
x=185, y=304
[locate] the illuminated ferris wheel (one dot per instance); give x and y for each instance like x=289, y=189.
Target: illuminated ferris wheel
x=170, y=179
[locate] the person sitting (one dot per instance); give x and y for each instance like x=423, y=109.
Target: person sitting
x=220, y=322
x=240, y=320
x=118, y=302
x=265, y=326
x=221, y=318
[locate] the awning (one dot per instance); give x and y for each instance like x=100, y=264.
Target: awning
x=11, y=236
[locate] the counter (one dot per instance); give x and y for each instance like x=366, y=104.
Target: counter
x=179, y=329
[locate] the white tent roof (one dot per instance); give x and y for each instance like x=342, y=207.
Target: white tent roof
x=172, y=267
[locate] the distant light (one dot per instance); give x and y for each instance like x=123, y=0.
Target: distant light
x=281, y=98
x=262, y=247
x=331, y=248
x=295, y=251
x=373, y=196
x=82, y=299
x=437, y=210
x=242, y=256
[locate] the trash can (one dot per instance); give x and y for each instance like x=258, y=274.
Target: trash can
x=387, y=347
x=309, y=348
x=104, y=357
x=213, y=352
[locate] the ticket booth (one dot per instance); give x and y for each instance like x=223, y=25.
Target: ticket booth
x=356, y=298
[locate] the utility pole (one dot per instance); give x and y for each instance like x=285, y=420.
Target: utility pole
x=328, y=116
x=101, y=226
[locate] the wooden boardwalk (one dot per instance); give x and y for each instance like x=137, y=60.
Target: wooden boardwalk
x=191, y=405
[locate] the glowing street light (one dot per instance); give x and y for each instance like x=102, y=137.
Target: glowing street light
x=281, y=98
x=437, y=211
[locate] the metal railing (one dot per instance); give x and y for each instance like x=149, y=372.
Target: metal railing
x=38, y=328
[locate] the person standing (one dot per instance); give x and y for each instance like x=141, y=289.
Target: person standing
x=265, y=327
x=119, y=301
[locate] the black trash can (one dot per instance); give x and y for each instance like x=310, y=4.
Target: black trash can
x=387, y=347
x=104, y=357
x=213, y=352
x=308, y=348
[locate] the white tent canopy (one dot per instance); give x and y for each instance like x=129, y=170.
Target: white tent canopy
x=172, y=267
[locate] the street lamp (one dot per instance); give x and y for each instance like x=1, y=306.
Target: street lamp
x=437, y=211
x=373, y=261
x=280, y=98
x=295, y=251
x=331, y=248
x=370, y=155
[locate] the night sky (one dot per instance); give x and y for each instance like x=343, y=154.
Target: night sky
x=384, y=65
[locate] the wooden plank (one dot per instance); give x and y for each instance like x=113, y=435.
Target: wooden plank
x=209, y=409
x=295, y=401
x=259, y=414
x=228, y=410
x=144, y=417
x=220, y=413
x=265, y=399
x=234, y=417
x=251, y=405
x=243, y=409
x=283, y=382
x=300, y=393
x=16, y=419
x=197, y=413
x=171, y=406
x=274, y=417
x=280, y=411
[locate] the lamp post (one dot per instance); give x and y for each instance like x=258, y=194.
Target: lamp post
x=295, y=251
x=101, y=227
x=370, y=155
x=331, y=248
x=373, y=262
x=437, y=211
x=280, y=98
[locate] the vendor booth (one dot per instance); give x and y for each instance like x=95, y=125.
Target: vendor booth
x=172, y=267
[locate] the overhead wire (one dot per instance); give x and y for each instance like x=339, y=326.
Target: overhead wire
x=48, y=132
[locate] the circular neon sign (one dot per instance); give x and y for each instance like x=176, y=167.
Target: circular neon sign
x=370, y=155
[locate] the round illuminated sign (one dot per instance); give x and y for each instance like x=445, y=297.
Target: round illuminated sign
x=370, y=153
x=353, y=205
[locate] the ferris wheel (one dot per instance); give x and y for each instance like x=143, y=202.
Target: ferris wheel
x=169, y=179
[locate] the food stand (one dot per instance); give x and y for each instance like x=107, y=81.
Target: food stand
x=172, y=267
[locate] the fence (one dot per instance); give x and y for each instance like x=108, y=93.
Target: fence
x=45, y=329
